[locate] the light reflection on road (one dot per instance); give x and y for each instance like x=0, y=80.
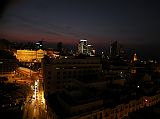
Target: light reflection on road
x=35, y=105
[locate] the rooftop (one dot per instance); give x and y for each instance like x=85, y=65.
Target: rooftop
x=78, y=97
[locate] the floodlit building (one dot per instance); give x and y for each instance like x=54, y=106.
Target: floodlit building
x=135, y=57
x=85, y=49
x=30, y=55
x=82, y=47
x=39, y=55
x=39, y=45
x=91, y=51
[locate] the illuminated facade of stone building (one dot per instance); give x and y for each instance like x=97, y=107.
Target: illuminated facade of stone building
x=30, y=55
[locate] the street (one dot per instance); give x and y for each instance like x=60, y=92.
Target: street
x=35, y=104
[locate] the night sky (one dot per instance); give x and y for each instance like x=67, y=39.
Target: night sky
x=133, y=23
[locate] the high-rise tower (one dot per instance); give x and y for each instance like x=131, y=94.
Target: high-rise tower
x=82, y=47
x=114, y=49
x=39, y=45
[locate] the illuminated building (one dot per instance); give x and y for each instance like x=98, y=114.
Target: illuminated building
x=39, y=45
x=135, y=57
x=52, y=54
x=30, y=55
x=39, y=55
x=82, y=47
x=85, y=49
x=91, y=51
x=26, y=55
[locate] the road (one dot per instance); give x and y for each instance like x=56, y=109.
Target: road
x=35, y=103
x=34, y=106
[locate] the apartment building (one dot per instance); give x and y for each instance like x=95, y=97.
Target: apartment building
x=69, y=72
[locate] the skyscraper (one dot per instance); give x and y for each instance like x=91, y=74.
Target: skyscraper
x=82, y=47
x=91, y=51
x=114, y=49
x=39, y=45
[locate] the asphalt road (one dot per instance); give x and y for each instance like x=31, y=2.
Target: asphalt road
x=35, y=104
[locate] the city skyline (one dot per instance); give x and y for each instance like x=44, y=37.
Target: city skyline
x=132, y=23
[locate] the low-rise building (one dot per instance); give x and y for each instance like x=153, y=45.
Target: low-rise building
x=30, y=55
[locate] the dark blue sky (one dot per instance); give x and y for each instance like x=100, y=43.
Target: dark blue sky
x=133, y=23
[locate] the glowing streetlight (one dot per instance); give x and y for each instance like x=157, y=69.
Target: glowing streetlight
x=30, y=70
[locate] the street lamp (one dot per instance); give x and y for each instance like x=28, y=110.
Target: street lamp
x=30, y=70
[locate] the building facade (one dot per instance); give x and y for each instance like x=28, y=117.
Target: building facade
x=82, y=47
x=96, y=110
x=39, y=45
x=30, y=55
x=8, y=62
x=85, y=48
x=66, y=73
